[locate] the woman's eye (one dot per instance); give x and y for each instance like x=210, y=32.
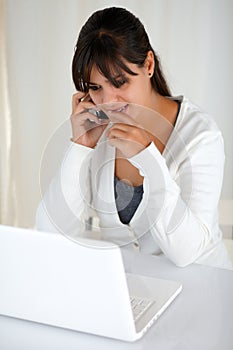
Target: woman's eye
x=119, y=83
x=94, y=87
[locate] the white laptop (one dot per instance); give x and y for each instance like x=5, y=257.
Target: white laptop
x=48, y=278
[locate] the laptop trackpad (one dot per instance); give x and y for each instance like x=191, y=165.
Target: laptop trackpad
x=161, y=292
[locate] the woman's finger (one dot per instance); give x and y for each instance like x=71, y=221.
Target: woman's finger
x=84, y=115
x=118, y=117
x=130, y=133
x=76, y=98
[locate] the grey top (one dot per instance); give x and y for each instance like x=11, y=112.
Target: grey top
x=127, y=198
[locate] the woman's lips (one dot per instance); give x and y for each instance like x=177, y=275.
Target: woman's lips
x=120, y=109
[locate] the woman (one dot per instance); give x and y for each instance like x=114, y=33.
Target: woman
x=149, y=164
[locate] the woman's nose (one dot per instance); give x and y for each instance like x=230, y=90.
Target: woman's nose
x=112, y=94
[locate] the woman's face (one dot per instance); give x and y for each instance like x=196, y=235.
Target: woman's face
x=135, y=89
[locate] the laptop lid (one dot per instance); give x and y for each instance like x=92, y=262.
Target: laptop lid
x=79, y=285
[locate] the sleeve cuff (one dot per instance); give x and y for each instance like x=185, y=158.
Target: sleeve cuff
x=142, y=160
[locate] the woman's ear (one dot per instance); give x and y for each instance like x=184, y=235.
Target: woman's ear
x=150, y=63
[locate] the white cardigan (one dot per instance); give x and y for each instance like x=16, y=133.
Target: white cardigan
x=178, y=214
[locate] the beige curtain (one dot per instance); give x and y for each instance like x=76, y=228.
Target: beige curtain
x=36, y=48
x=7, y=188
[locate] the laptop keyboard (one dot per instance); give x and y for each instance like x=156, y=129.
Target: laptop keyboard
x=139, y=306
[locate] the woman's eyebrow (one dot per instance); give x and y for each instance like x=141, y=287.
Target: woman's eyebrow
x=116, y=77
x=89, y=83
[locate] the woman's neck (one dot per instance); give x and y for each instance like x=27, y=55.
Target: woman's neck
x=165, y=106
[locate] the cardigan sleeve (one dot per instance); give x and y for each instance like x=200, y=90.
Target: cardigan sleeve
x=64, y=207
x=180, y=210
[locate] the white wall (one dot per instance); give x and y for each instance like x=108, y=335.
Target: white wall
x=195, y=42
x=193, y=38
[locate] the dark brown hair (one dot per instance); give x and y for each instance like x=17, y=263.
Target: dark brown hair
x=109, y=39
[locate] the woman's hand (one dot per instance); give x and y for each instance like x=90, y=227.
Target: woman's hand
x=127, y=135
x=86, y=127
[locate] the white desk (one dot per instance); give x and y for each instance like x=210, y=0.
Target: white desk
x=200, y=318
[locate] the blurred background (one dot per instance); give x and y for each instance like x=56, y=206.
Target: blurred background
x=194, y=39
